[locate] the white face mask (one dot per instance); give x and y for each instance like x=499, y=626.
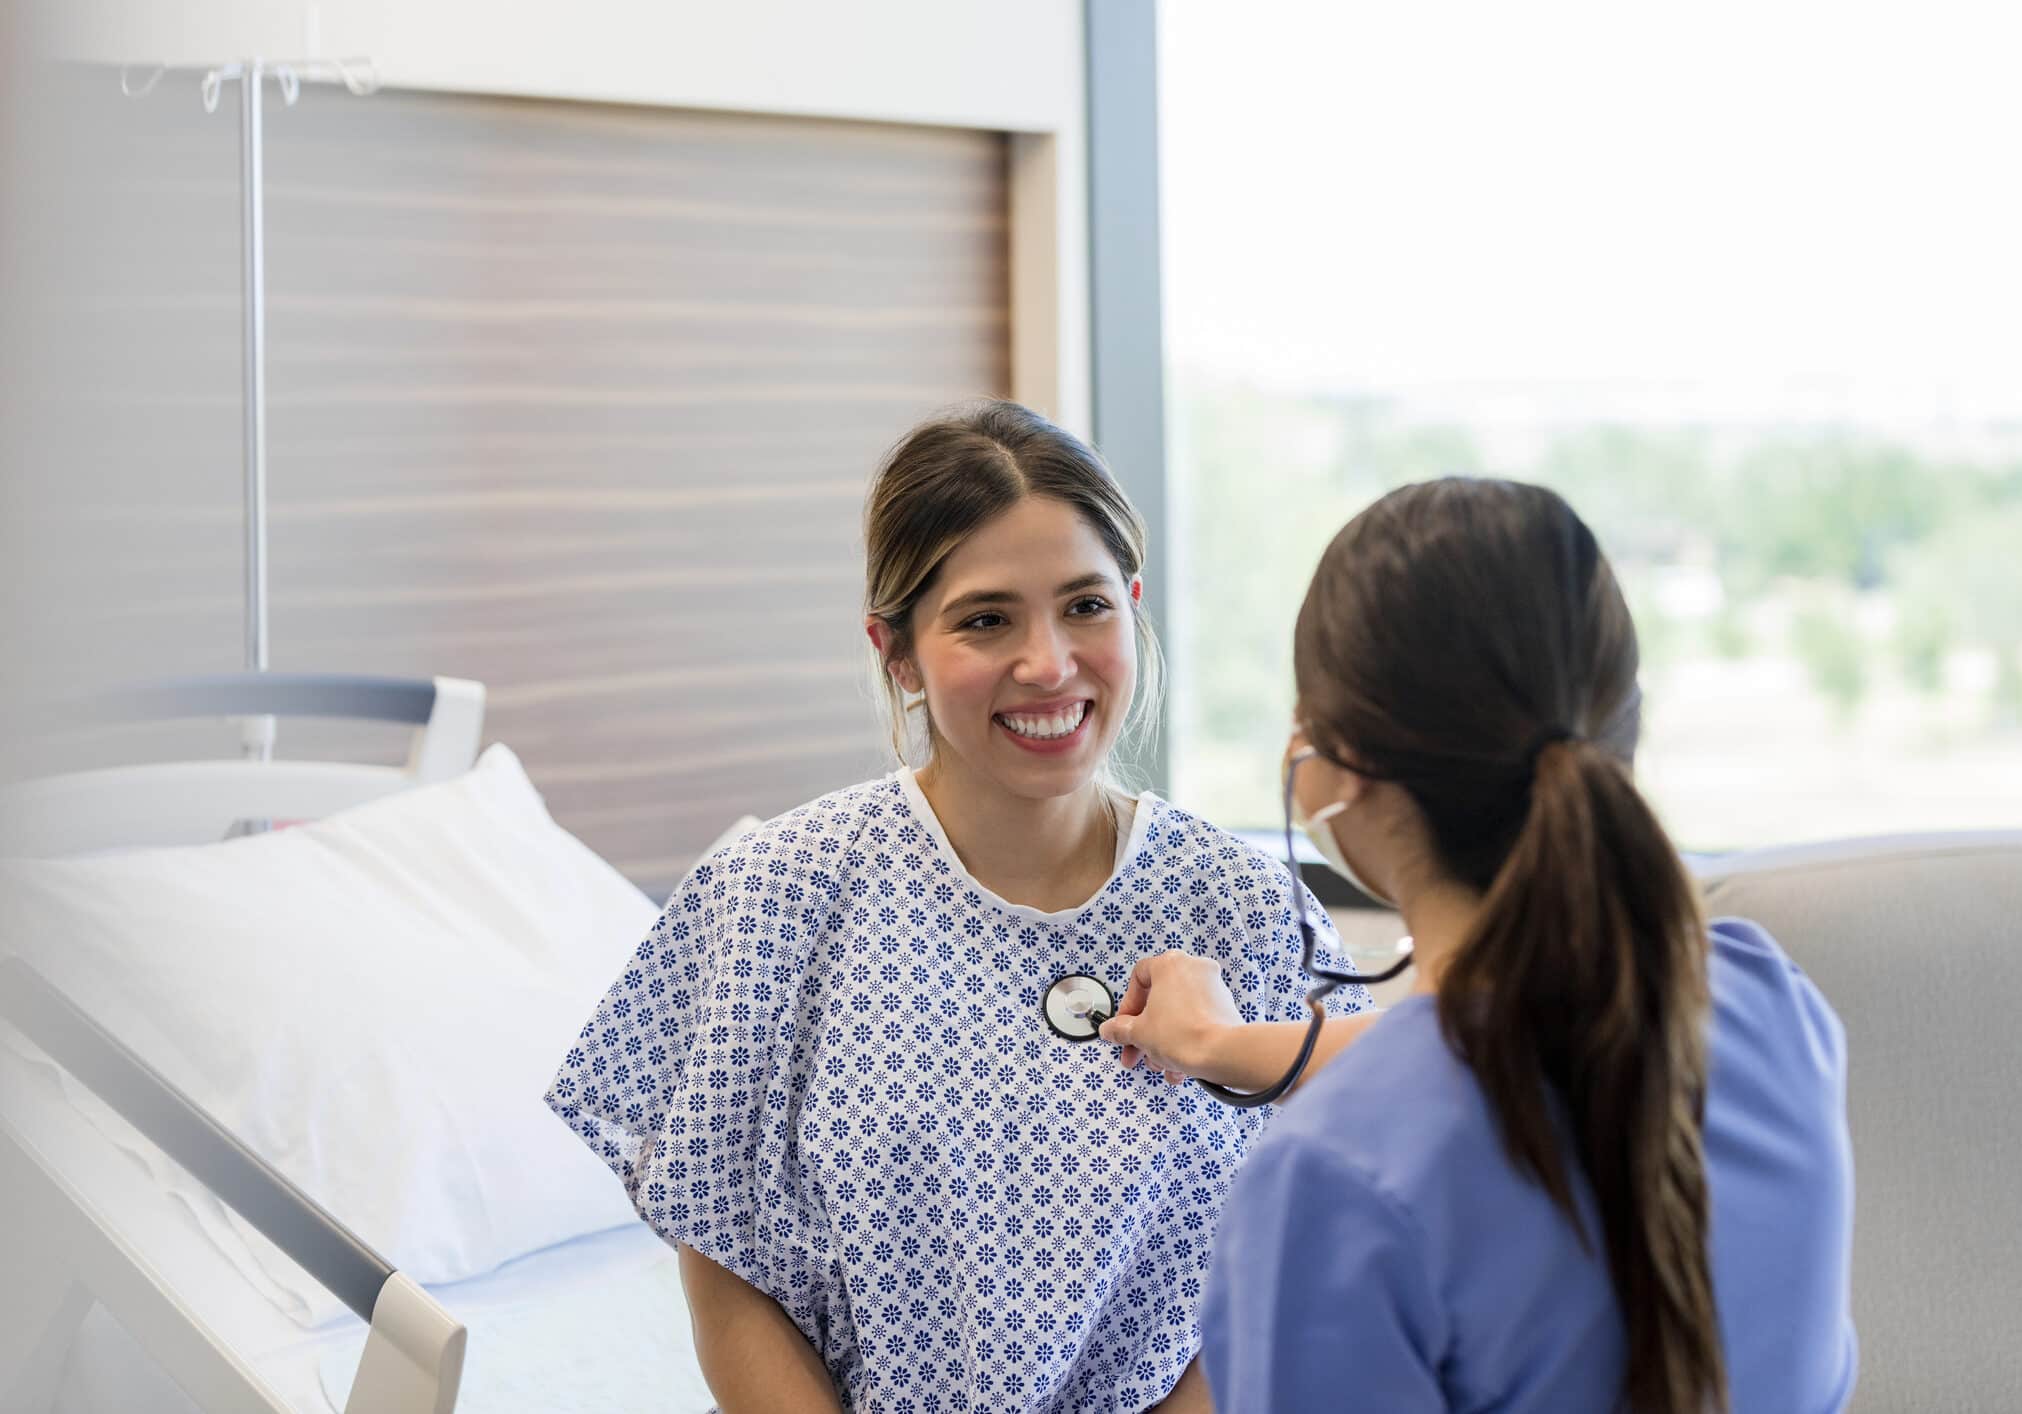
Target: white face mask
x=1322, y=835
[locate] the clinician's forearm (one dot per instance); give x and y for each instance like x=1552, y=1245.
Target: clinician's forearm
x=753, y=1356
x=1258, y=1054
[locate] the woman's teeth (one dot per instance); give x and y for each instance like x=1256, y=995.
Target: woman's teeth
x=1046, y=726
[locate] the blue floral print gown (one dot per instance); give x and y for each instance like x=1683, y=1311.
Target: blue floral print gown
x=827, y=1071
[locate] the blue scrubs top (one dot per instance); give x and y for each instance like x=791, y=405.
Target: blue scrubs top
x=1379, y=1252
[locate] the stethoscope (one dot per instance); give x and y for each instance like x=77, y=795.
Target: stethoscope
x=1077, y=1004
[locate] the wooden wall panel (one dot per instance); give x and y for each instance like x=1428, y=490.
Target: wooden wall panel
x=579, y=401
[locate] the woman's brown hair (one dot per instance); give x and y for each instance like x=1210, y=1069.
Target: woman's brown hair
x=1466, y=640
x=955, y=473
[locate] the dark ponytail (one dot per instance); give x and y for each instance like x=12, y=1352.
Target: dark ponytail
x=1586, y=978
x=1465, y=640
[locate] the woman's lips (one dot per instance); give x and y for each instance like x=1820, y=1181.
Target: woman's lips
x=1055, y=729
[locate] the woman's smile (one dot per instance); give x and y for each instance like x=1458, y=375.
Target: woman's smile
x=1049, y=728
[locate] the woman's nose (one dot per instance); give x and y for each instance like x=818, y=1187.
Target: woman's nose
x=1044, y=659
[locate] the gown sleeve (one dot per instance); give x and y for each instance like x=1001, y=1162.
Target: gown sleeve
x=687, y=1079
x=1268, y=982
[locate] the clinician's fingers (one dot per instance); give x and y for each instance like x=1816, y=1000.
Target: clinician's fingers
x=1135, y=993
x=1118, y=1031
x=1146, y=974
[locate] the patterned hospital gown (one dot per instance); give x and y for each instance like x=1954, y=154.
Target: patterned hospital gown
x=826, y=1070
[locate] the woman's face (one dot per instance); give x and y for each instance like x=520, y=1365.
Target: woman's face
x=1025, y=649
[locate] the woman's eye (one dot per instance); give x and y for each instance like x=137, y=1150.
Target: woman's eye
x=983, y=621
x=1087, y=608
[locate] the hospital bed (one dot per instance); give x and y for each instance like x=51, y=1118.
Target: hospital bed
x=156, y=1258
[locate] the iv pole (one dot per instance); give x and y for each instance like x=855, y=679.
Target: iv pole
x=251, y=74
x=253, y=239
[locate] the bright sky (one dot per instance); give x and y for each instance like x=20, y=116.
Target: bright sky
x=1766, y=199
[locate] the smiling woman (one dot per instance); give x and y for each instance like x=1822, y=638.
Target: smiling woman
x=1004, y=599
x=830, y=1074
x=993, y=486
x=1045, y=665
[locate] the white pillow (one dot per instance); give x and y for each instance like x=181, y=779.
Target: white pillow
x=374, y=1002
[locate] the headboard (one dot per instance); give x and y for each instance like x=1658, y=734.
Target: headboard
x=194, y=802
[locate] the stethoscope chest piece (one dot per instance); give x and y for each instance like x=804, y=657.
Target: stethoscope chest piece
x=1076, y=1006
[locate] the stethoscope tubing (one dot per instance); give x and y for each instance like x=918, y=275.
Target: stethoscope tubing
x=1329, y=982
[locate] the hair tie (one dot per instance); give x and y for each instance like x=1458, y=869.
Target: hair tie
x=1550, y=736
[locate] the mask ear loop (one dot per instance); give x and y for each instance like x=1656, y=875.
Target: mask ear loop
x=1330, y=980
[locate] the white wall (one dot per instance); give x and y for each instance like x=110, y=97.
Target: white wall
x=1007, y=65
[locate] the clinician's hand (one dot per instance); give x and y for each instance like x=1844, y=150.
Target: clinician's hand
x=1173, y=1015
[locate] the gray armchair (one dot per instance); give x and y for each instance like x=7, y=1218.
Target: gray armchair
x=1917, y=943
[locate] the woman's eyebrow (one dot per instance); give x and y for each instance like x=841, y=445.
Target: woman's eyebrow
x=983, y=598
x=1087, y=581
x=977, y=599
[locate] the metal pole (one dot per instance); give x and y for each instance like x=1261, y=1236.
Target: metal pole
x=255, y=269
x=256, y=733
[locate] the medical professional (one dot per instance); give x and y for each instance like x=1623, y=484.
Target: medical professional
x=853, y=1071
x=1598, y=1159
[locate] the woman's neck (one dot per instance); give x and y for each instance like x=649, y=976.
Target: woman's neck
x=1050, y=854
x=1439, y=915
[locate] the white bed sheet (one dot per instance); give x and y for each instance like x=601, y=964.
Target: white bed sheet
x=595, y=1323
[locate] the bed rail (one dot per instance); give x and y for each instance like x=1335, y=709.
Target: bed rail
x=193, y=802
x=413, y=1360
x=258, y=1192
x=349, y=696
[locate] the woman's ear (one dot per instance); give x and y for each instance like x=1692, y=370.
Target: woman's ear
x=1136, y=588
x=903, y=670
x=1350, y=786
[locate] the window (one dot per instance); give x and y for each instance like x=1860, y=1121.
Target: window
x=1746, y=291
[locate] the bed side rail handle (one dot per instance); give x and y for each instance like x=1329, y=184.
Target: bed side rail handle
x=413, y=1358
x=257, y=1191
